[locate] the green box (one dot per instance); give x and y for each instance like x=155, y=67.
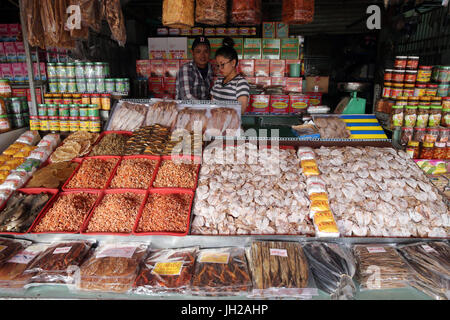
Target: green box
x=190, y=41
x=271, y=49
x=252, y=48
x=239, y=47
x=268, y=30
x=215, y=43
x=289, y=48
x=282, y=30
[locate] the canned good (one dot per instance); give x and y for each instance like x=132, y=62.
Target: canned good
x=99, y=70
x=424, y=74
x=18, y=120
x=100, y=85
x=62, y=85
x=400, y=62
x=71, y=85
x=410, y=76
x=77, y=99
x=90, y=85
x=93, y=111
x=436, y=101
x=106, y=101
x=74, y=124
x=408, y=90
x=110, y=85
x=84, y=124
x=52, y=110
x=401, y=101
x=89, y=70
x=57, y=99
x=70, y=70
x=73, y=110
x=83, y=111
x=79, y=70
x=431, y=90
x=425, y=101
x=81, y=85
x=86, y=99
x=51, y=71
x=412, y=63
x=16, y=105
x=120, y=85
x=54, y=124
x=64, y=110
x=67, y=99
x=446, y=102
x=53, y=87
x=444, y=74
x=387, y=91
x=388, y=74
x=64, y=124
x=434, y=120
x=413, y=101
x=442, y=90
x=420, y=90
x=48, y=98
x=104, y=115
x=61, y=71
x=42, y=110
x=34, y=123
x=397, y=90
x=96, y=99
x=95, y=124
x=43, y=124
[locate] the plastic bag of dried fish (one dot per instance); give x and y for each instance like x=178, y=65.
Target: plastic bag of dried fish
x=221, y=272
x=333, y=268
x=127, y=116
x=281, y=270
x=11, y=247
x=379, y=266
x=430, y=265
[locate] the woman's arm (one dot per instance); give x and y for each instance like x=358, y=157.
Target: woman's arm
x=244, y=103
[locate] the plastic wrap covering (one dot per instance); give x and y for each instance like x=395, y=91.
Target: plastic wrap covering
x=167, y=271
x=10, y=247
x=54, y=17
x=246, y=12
x=32, y=15
x=221, y=272
x=430, y=262
x=280, y=269
x=178, y=13
x=380, y=267
x=163, y=113
x=190, y=118
x=333, y=268
x=221, y=120
x=59, y=262
x=297, y=11
x=114, y=16
x=111, y=267
x=211, y=12
x=128, y=116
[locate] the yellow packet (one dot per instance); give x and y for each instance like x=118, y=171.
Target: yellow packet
x=22, y=154
x=328, y=227
x=28, y=148
x=4, y=158
x=11, y=151
x=17, y=145
x=310, y=168
x=322, y=196
x=320, y=205
x=7, y=167
x=308, y=163
x=323, y=216
x=4, y=174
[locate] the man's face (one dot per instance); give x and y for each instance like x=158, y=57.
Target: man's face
x=201, y=55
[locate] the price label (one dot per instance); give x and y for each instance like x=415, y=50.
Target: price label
x=168, y=268
x=117, y=251
x=214, y=258
x=278, y=252
x=62, y=250
x=427, y=248
x=376, y=249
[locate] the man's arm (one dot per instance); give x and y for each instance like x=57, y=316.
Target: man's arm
x=185, y=85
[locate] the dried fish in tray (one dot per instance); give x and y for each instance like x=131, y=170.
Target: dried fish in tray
x=221, y=272
x=379, y=266
x=279, y=269
x=430, y=265
x=10, y=247
x=333, y=268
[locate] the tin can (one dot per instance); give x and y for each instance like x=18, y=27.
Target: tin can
x=52, y=110
x=70, y=70
x=54, y=124
x=73, y=110
x=436, y=101
x=400, y=62
x=100, y=85
x=89, y=70
x=420, y=90
x=93, y=111
x=67, y=99
x=413, y=101
x=398, y=76
x=95, y=124
x=34, y=123
x=424, y=74
x=106, y=101
x=83, y=111
x=86, y=98
x=388, y=74
x=61, y=71
x=76, y=99
x=81, y=85
x=397, y=90
x=53, y=86
x=443, y=90
x=74, y=124
x=64, y=110
x=79, y=70
x=412, y=63
x=42, y=110
x=99, y=69
x=120, y=85
x=51, y=71
x=431, y=90
x=84, y=124
x=110, y=85
x=444, y=74
x=16, y=105
x=90, y=85
x=410, y=76
x=43, y=124
x=408, y=90
x=64, y=124
x=96, y=99
x=63, y=85
x=48, y=98
x=386, y=92
x=71, y=85
x=57, y=99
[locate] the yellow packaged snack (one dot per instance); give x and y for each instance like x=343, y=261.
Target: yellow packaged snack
x=323, y=216
x=328, y=227
x=308, y=163
x=4, y=174
x=322, y=196
x=310, y=168
x=319, y=205
x=11, y=151
x=28, y=148
x=22, y=154
x=4, y=158
x=7, y=167
x=2, y=180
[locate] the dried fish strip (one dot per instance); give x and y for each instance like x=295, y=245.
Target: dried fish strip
x=10, y=247
x=221, y=272
x=211, y=12
x=112, y=144
x=163, y=113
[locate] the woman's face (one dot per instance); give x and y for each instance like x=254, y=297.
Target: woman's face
x=226, y=66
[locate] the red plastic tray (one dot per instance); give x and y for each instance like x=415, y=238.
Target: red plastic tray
x=155, y=171
x=50, y=205
x=193, y=158
x=114, y=191
x=104, y=133
x=165, y=191
x=53, y=192
x=64, y=187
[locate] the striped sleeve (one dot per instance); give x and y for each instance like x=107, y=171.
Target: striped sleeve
x=185, y=84
x=242, y=88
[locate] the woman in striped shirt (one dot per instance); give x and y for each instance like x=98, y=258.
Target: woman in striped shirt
x=230, y=85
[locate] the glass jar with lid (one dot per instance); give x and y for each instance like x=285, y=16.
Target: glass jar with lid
x=397, y=90
x=61, y=71
x=410, y=76
x=427, y=150
x=424, y=74
x=79, y=70
x=440, y=150
x=444, y=134
x=419, y=134
x=110, y=86
x=51, y=71
x=420, y=90
x=99, y=70
x=398, y=76
x=406, y=135
x=434, y=119
x=431, y=135
x=413, y=101
x=397, y=117
x=412, y=63
x=388, y=75
x=413, y=149
x=425, y=100
x=89, y=70
x=408, y=89
x=444, y=74
x=387, y=89
x=431, y=90
x=401, y=101
x=400, y=62
x=70, y=70
x=436, y=101
x=410, y=116
x=445, y=121
x=443, y=89
x=422, y=116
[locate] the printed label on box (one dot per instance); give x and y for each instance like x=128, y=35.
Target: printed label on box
x=376, y=249
x=289, y=48
x=294, y=84
x=143, y=68
x=277, y=68
x=156, y=68
x=162, y=31
x=117, y=251
x=279, y=103
x=215, y=43
x=278, y=81
x=260, y=103
x=185, y=32
x=209, y=32
x=298, y=103
x=251, y=80
x=278, y=252
x=156, y=85
x=168, y=268
x=262, y=68
x=214, y=257
x=247, y=67
x=252, y=48
x=174, y=32
x=315, y=99
x=232, y=31
x=197, y=31
x=264, y=81
x=170, y=85
x=177, y=48
x=282, y=30
x=268, y=30
x=158, y=48
x=171, y=67
x=239, y=47
x=62, y=250
x=271, y=49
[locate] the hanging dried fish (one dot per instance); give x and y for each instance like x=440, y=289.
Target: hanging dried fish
x=116, y=22
x=32, y=15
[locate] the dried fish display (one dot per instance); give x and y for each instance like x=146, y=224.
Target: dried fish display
x=379, y=266
x=191, y=119
x=278, y=269
x=111, y=267
x=221, y=271
x=430, y=264
x=150, y=140
x=332, y=128
x=52, y=176
x=221, y=120
x=116, y=21
x=11, y=247
x=246, y=12
x=263, y=192
x=166, y=271
x=21, y=210
x=211, y=12
x=178, y=13
x=381, y=192
x=163, y=113
x=333, y=268
x=128, y=116
x=183, y=143
x=57, y=264
x=112, y=144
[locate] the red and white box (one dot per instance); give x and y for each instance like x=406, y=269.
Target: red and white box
x=251, y=80
x=156, y=68
x=20, y=51
x=18, y=75
x=278, y=81
x=264, y=81
x=170, y=85
x=38, y=95
x=315, y=98
x=289, y=62
x=10, y=51
x=158, y=48
x=260, y=103
x=171, y=68
x=279, y=103
x=294, y=85
x=6, y=71
x=298, y=103
x=2, y=53
x=277, y=68
x=247, y=67
x=262, y=68
x=156, y=85
x=143, y=68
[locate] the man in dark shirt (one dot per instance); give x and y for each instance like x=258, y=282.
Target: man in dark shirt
x=194, y=78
